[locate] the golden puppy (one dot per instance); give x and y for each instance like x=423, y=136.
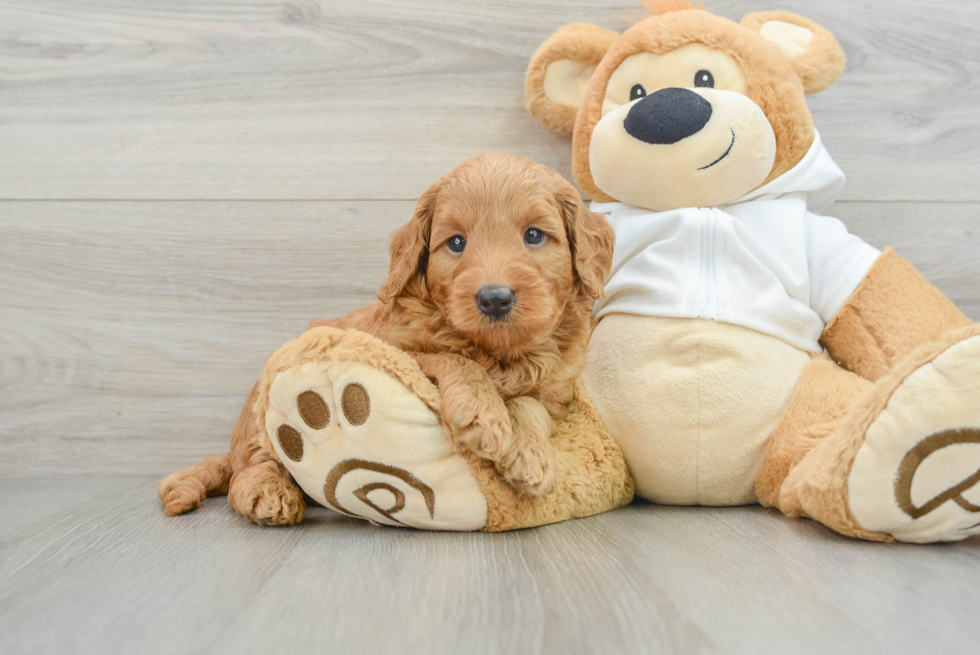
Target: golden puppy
x=491, y=287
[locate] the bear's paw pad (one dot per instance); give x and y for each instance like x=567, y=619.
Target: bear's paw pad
x=917, y=475
x=359, y=442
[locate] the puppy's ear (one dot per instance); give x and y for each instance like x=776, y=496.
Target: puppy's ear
x=814, y=53
x=410, y=247
x=560, y=72
x=591, y=238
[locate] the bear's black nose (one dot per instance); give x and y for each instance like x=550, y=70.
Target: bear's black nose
x=667, y=116
x=495, y=301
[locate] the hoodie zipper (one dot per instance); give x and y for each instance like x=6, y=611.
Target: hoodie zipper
x=708, y=296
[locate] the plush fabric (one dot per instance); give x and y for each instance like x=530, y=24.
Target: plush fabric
x=935, y=387
x=820, y=401
x=734, y=151
x=583, y=47
x=893, y=310
x=374, y=446
x=688, y=405
x=819, y=63
x=774, y=81
x=917, y=474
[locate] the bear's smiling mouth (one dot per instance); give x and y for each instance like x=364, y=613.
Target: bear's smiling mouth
x=730, y=146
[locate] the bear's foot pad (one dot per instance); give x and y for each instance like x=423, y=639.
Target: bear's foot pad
x=359, y=442
x=917, y=474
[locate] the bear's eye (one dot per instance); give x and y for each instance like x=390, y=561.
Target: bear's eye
x=456, y=244
x=533, y=236
x=637, y=92
x=704, y=78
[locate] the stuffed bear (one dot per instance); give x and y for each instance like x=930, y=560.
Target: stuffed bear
x=749, y=349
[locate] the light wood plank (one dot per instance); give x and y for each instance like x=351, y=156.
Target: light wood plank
x=128, y=341
x=141, y=314
x=113, y=575
x=376, y=99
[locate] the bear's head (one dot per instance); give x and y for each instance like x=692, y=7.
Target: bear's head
x=685, y=108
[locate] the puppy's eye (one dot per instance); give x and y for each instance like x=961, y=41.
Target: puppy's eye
x=534, y=237
x=704, y=78
x=456, y=244
x=637, y=92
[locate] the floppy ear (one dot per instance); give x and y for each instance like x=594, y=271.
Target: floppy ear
x=591, y=238
x=410, y=247
x=560, y=72
x=814, y=53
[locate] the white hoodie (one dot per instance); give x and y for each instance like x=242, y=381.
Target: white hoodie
x=762, y=261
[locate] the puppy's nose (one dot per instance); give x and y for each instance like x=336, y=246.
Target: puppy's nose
x=667, y=116
x=495, y=301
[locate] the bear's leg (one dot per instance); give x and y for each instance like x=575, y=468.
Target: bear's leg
x=816, y=409
x=357, y=425
x=893, y=311
x=363, y=430
x=904, y=463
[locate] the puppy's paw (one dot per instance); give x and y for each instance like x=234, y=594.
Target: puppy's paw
x=181, y=495
x=530, y=468
x=480, y=425
x=276, y=501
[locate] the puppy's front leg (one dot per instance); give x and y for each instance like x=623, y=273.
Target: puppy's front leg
x=472, y=408
x=530, y=465
x=513, y=435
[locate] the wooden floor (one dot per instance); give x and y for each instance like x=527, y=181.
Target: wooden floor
x=89, y=564
x=184, y=184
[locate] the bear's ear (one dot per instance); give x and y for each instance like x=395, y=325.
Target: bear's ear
x=560, y=72
x=814, y=53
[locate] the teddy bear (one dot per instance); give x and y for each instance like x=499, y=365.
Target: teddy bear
x=749, y=349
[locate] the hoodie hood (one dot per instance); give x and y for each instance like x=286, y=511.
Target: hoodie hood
x=817, y=175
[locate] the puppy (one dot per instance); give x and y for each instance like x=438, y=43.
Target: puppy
x=490, y=288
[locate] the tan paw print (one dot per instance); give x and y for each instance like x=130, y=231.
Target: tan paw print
x=359, y=442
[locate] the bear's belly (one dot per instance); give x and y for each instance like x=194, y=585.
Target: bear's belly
x=691, y=402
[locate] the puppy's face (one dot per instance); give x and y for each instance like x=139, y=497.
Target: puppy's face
x=506, y=246
x=500, y=266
